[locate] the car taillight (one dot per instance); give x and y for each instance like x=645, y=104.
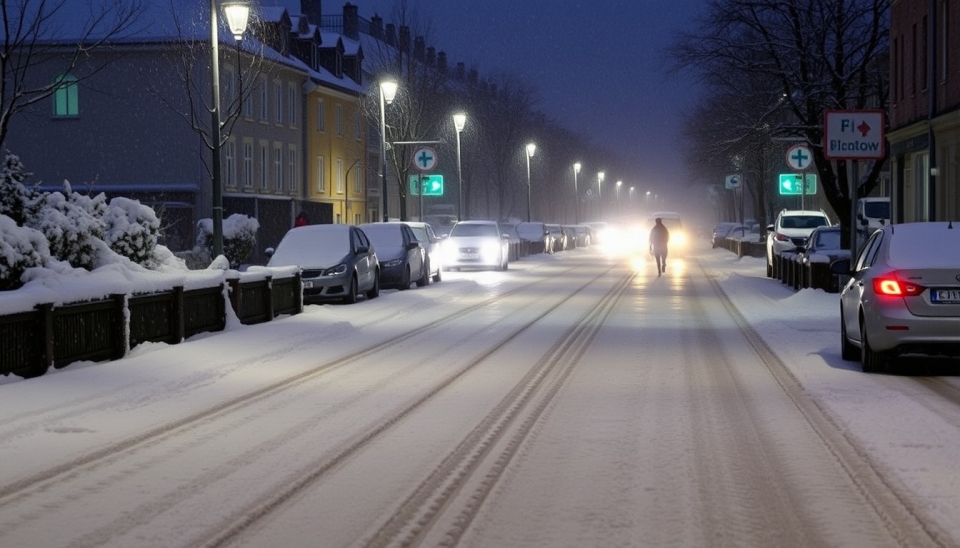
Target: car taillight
x=891, y=286
x=781, y=237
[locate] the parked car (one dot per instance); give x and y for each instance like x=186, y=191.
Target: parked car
x=557, y=237
x=402, y=259
x=873, y=213
x=903, y=296
x=336, y=262
x=791, y=228
x=816, y=254
x=431, y=242
x=476, y=244
x=582, y=235
x=537, y=236
x=720, y=233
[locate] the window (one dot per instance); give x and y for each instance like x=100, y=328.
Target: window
x=278, y=102
x=895, y=72
x=248, y=164
x=924, y=54
x=944, y=39
x=66, y=98
x=339, y=175
x=356, y=125
x=228, y=86
x=340, y=120
x=264, y=103
x=292, y=168
x=230, y=171
x=357, y=188
x=320, y=116
x=321, y=187
x=264, y=161
x=292, y=105
x=278, y=165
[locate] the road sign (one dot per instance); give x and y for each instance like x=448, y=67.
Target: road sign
x=790, y=184
x=854, y=135
x=432, y=185
x=733, y=181
x=799, y=157
x=424, y=159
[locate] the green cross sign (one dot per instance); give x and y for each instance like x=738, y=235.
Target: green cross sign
x=791, y=184
x=432, y=185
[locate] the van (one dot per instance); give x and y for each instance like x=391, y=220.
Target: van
x=873, y=213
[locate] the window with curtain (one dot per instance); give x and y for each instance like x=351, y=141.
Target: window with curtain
x=66, y=99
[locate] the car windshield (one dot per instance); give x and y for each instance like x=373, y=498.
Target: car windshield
x=312, y=248
x=828, y=239
x=877, y=210
x=384, y=236
x=471, y=230
x=803, y=221
x=530, y=230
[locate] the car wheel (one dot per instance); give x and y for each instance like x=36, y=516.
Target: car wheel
x=405, y=281
x=848, y=351
x=351, y=296
x=375, y=290
x=769, y=267
x=424, y=274
x=870, y=361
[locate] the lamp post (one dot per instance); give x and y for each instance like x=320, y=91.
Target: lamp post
x=576, y=194
x=646, y=201
x=237, y=14
x=459, y=120
x=630, y=200
x=600, y=196
x=388, y=90
x=619, y=184
x=531, y=148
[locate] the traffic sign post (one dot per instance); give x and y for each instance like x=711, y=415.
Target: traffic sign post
x=854, y=135
x=424, y=159
x=795, y=184
x=432, y=185
x=799, y=157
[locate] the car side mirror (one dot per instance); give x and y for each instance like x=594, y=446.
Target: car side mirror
x=413, y=245
x=268, y=251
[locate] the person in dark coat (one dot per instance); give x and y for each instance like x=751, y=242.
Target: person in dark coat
x=659, y=237
x=301, y=220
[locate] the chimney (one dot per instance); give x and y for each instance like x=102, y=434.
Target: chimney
x=461, y=71
x=431, y=56
x=311, y=9
x=473, y=76
x=376, y=27
x=404, y=39
x=419, y=48
x=391, y=35
x=442, y=62
x=351, y=21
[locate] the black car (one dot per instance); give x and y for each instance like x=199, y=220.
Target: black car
x=402, y=259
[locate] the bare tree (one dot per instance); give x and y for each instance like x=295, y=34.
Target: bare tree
x=820, y=54
x=62, y=33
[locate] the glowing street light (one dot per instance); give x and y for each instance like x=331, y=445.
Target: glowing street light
x=388, y=91
x=576, y=194
x=237, y=14
x=600, y=195
x=531, y=148
x=459, y=120
x=619, y=183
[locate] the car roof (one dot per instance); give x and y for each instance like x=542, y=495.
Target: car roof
x=801, y=212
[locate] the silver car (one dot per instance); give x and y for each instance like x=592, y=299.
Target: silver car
x=903, y=296
x=476, y=244
x=432, y=243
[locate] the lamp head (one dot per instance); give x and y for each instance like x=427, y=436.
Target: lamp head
x=389, y=90
x=459, y=120
x=600, y=176
x=619, y=183
x=237, y=14
x=531, y=148
x=576, y=167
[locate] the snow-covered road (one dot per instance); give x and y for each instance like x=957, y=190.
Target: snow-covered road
x=574, y=400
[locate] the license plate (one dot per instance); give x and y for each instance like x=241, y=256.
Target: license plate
x=308, y=285
x=469, y=256
x=945, y=296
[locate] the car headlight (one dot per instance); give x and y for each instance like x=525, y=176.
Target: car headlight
x=679, y=238
x=393, y=264
x=490, y=251
x=336, y=271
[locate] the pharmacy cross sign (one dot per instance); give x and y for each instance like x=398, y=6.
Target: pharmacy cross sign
x=424, y=159
x=799, y=157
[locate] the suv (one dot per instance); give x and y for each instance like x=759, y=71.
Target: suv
x=792, y=228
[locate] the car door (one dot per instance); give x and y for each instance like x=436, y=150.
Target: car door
x=366, y=269
x=415, y=255
x=856, y=292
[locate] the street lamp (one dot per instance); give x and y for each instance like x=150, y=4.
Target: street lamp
x=531, y=148
x=646, y=200
x=619, y=183
x=237, y=14
x=459, y=120
x=388, y=90
x=576, y=194
x=630, y=200
x=600, y=195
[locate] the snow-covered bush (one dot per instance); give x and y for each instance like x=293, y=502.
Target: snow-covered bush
x=132, y=230
x=73, y=225
x=13, y=195
x=239, y=237
x=20, y=248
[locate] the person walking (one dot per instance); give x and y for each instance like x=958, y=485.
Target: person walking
x=659, y=237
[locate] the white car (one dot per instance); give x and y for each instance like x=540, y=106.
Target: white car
x=476, y=244
x=792, y=228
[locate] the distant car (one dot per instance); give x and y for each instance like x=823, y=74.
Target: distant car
x=336, y=262
x=903, y=296
x=557, y=237
x=431, y=242
x=402, y=259
x=823, y=247
x=791, y=228
x=720, y=233
x=476, y=244
x=677, y=245
x=582, y=235
x=873, y=213
x=537, y=236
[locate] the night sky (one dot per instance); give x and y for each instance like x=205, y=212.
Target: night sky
x=598, y=67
